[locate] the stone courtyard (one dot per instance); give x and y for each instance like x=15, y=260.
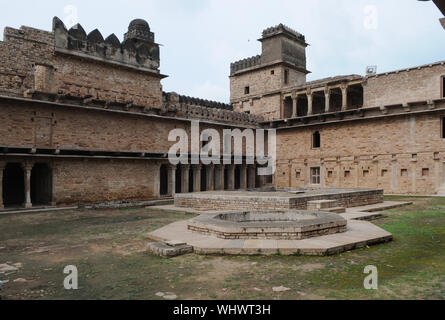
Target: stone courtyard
x=281, y=222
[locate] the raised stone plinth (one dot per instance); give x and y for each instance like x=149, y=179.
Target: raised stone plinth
x=325, y=205
x=279, y=225
x=359, y=234
x=321, y=204
x=169, y=249
x=275, y=200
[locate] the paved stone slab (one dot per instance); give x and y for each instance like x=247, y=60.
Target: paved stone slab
x=162, y=249
x=358, y=235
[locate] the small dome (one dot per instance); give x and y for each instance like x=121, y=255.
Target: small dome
x=139, y=24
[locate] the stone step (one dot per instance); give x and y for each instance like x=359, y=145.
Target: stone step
x=322, y=204
x=169, y=249
x=336, y=210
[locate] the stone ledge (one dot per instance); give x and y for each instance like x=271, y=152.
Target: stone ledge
x=358, y=235
x=165, y=250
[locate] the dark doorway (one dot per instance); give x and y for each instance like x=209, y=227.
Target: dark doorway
x=13, y=185
x=355, y=96
x=288, y=108
x=178, y=180
x=257, y=181
x=318, y=102
x=163, y=175
x=226, y=178
x=41, y=184
x=249, y=177
x=336, y=100
x=302, y=106
x=237, y=178
x=191, y=185
x=204, y=178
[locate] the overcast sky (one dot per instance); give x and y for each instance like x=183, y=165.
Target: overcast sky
x=200, y=38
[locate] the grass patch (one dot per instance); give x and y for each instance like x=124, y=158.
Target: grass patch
x=108, y=247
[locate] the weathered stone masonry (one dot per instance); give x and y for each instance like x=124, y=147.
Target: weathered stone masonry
x=374, y=131
x=84, y=119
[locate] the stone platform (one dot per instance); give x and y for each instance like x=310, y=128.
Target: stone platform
x=272, y=200
x=359, y=234
x=274, y=224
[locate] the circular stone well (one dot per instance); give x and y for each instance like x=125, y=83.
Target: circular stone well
x=278, y=225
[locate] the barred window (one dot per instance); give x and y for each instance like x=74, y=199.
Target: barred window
x=315, y=175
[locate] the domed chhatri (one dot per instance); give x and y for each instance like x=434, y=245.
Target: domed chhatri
x=139, y=29
x=139, y=24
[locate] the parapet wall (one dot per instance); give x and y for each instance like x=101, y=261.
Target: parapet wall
x=245, y=64
x=132, y=53
x=258, y=201
x=200, y=109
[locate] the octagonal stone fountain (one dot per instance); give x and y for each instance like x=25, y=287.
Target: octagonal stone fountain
x=271, y=224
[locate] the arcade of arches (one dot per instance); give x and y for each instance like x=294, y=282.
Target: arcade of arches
x=322, y=100
x=25, y=184
x=200, y=178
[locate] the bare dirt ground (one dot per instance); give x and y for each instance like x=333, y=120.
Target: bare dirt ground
x=108, y=248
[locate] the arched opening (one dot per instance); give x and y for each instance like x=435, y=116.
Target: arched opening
x=316, y=140
x=335, y=101
x=288, y=108
x=318, y=102
x=355, y=96
x=302, y=105
x=191, y=184
x=163, y=176
x=13, y=185
x=204, y=178
x=178, y=180
x=237, y=178
x=249, y=178
x=257, y=181
x=41, y=184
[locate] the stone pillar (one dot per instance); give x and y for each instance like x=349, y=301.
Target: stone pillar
x=197, y=178
x=252, y=175
x=344, y=93
x=219, y=177
x=327, y=95
x=309, y=103
x=243, y=176
x=394, y=175
x=185, y=179
x=357, y=173
x=157, y=179
x=294, y=105
x=338, y=178
x=27, y=172
x=2, y=167
x=53, y=184
x=414, y=175
x=231, y=177
x=171, y=180
x=210, y=177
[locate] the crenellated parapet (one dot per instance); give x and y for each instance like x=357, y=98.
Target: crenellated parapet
x=138, y=50
x=283, y=29
x=245, y=64
x=188, y=107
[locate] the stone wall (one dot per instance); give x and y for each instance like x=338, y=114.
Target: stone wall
x=409, y=85
x=37, y=125
x=35, y=66
x=230, y=201
x=99, y=180
x=404, y=154
x=194, y=108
